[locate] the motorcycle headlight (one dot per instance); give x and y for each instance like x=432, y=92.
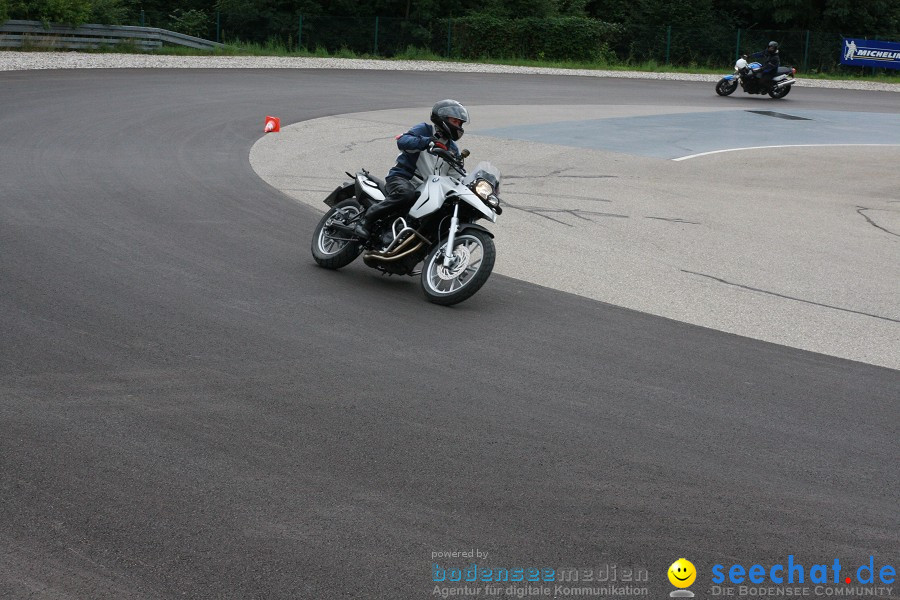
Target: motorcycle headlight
x=483, y=189
x=493, y=201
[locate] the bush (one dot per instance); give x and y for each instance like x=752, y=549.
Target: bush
x=68, y=12
x=189, y=22
x=553, y=39
x=108, y=12
x=74, y=12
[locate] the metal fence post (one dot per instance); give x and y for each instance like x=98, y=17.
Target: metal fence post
x=142, y=17
x=668, y=42
x=806, y=53
x=737, y=48
x=300, y=33
x=449, y=33
x=218, y=25
x=376, y=36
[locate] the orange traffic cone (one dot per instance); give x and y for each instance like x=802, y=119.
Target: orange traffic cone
x=273, y=124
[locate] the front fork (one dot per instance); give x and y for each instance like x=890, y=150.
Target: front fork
x=451, y=237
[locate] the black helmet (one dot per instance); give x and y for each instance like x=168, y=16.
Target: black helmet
x=772, y=47
x=449, y=109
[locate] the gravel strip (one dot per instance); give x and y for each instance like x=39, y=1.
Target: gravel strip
x=21, y=61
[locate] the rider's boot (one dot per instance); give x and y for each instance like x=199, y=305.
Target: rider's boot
x=367, y=221
x=362, y=229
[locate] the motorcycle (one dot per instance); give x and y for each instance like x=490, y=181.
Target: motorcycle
x=746, y=74
x=439, y=231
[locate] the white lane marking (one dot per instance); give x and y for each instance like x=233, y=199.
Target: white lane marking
x=781, y=146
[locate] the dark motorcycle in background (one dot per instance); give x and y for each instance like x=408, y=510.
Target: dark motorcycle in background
x=747, y=76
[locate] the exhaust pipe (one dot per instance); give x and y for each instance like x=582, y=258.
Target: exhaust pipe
x=375, y=260
x=786, y=82
x=402, y=249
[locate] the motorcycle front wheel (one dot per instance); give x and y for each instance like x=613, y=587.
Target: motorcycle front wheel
x=726, y=86
x=333, y=248
x=473, y=260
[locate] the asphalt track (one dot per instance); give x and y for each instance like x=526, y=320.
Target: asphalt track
x=190, y=408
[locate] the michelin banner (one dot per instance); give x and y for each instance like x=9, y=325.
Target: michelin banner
x=870, y=53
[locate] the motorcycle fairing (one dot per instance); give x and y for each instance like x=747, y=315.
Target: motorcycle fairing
x=429, y=163
x=435, y=190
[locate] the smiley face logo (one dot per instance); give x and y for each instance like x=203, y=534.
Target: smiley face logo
x=682, y=573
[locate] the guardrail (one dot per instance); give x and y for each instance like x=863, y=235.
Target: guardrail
x=16, y=34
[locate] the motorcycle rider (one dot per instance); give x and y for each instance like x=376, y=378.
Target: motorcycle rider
x=770, y=63
x=447, y=118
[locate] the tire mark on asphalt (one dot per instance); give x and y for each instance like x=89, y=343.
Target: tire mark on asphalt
x=349, y=147
x=873, y=223
x=561, y=196
x=584, y=215
x=558, y=174
x=753, y=289
x=674, y=220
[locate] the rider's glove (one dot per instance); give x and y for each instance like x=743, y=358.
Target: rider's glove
x=436, y=144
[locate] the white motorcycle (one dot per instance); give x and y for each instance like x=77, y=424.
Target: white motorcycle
x=438, y=239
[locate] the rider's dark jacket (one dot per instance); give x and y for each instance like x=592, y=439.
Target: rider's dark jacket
x=770, y=61
x=410, y=144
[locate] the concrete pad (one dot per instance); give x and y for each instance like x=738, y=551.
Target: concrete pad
x=797, y=246
x=680, y=135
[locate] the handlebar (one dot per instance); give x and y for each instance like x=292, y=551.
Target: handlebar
x=456, y=163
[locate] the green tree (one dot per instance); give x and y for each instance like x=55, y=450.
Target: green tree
x=572, y=8
x=70, y=12
x=421, y=10
x=515, y=9
x=612, y=11
x=259, y=20
x=109, y=12
x=695, y=13
x=189, y=22
x=872, y=17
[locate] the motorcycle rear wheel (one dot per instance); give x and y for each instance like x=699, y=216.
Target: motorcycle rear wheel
x=333, y=249
x=781, y=92
x=474, y=254
x=726, y=87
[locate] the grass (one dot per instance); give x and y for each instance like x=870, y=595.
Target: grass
x=277, y=47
